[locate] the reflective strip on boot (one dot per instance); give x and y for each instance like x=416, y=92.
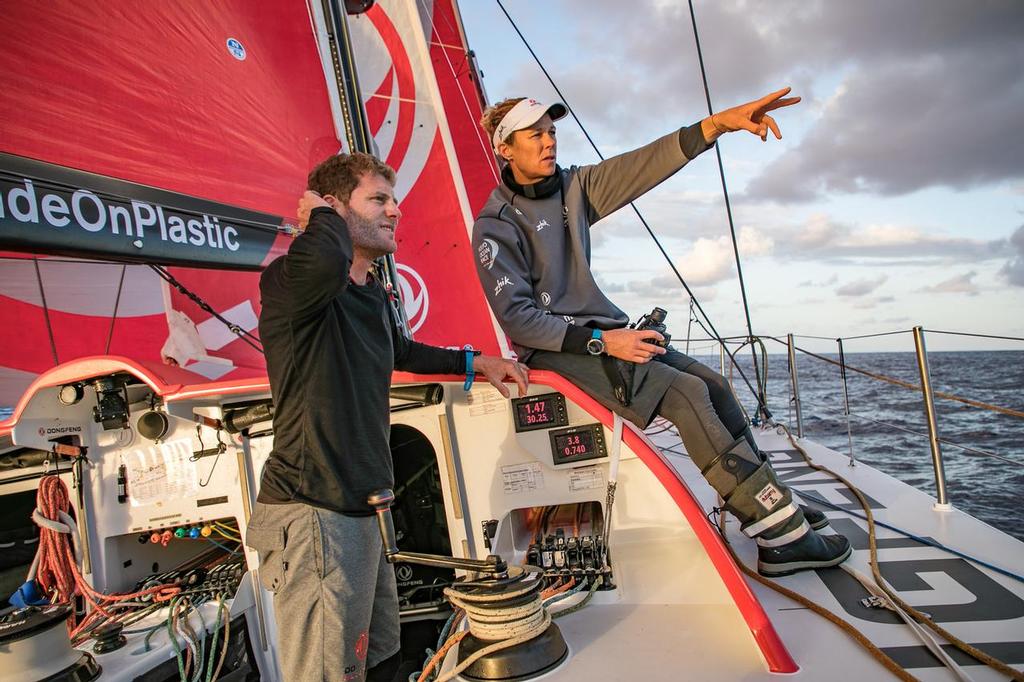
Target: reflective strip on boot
x=786, y=538
x=775, y=518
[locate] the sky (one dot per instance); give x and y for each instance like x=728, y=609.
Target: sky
x=894, y=199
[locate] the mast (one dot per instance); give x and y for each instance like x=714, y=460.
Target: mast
x=356, y=127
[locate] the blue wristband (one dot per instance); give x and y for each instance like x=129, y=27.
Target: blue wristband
x=469, y=370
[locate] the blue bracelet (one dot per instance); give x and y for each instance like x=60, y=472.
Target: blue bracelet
x=468, y=384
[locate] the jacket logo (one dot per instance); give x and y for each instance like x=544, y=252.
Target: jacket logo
x=569, y=318
x=545, y=298
x=542, y=224
x=501, y=284
x=487, y=252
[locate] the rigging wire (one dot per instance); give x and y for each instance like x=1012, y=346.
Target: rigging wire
x=643, y=221
x=46, y=311
x=485, y=145
x=117, y=304
x=761, y=397
x=981, y=336
x=246, y=336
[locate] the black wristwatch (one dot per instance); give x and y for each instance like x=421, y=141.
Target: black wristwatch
x=595, y=346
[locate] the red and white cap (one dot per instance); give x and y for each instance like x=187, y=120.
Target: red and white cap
x=523, y=115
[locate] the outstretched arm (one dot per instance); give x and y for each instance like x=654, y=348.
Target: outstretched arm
x=752, y=117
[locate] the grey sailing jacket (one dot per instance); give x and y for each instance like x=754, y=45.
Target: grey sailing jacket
x=533, y=255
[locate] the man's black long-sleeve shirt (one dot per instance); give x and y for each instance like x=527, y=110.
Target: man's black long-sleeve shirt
x=330, y=348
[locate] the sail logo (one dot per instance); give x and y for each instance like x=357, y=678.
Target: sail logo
x=236, y=49
x=415, y=297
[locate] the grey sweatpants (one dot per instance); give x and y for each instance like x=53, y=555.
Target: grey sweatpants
x=335, y=599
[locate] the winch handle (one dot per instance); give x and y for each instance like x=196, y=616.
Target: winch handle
x=381, y=501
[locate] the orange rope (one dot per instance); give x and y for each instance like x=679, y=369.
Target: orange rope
x=439, y=656
x=57, y=573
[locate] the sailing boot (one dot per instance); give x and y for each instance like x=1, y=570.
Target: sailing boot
x=815, y=519
x=765, y=508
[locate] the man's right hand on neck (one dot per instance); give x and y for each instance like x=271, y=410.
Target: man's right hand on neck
x=632, y=344
x=307, y=202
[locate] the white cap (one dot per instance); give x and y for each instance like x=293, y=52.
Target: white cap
x=524, y=114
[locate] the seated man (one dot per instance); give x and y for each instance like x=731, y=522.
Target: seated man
x=532, y=239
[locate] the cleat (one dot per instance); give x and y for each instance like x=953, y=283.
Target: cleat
x=811, y=551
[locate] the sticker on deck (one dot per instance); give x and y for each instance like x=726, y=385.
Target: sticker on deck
x=769, y=497
x=521, y=478
x=161, y=473
x=587, y=478
x=483, y=401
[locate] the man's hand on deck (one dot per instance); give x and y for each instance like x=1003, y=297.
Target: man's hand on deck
x=307, y=202
x=632, y=344
x=497, y=370
x=752, y=117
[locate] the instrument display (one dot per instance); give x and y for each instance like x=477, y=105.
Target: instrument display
x=540, y=412
x=578, y=443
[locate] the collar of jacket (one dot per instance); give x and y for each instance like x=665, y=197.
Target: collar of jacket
x=537, y=190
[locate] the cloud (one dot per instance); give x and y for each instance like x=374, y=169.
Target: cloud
x=905, y=95
x=821, y=238
x=1013, y=270
x=918, y=134
x=861, y=287
x=713, y=260
x=960, y=284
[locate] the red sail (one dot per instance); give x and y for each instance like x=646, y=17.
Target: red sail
x=117, y=116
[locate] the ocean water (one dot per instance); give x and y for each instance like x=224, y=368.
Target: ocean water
x=890, y=430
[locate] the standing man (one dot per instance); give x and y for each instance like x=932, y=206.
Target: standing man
x=331, y=347
x=532, y=240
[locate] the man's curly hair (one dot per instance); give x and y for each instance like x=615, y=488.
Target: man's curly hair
x=338, y=175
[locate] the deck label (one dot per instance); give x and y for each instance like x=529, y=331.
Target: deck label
x=521, y=478
x=161, y=473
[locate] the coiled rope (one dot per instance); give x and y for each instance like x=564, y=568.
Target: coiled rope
x=55, y=567
x=491, y=620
